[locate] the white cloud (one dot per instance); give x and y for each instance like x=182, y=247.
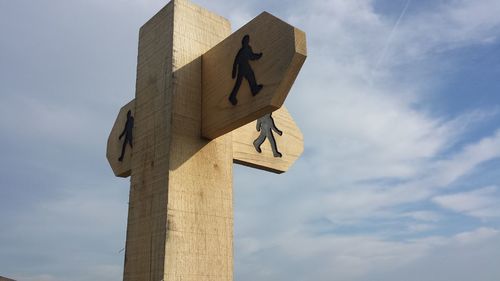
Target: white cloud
x=426, y=216
x=98, y=272
x=452, y=24
x=477, y=235
x=483, y=203
x=369, y=142
x=354, y=202
x=77, y=235
x=372, y=149
x=466, y=160
x=368, y=124
x=35, y=118
x=38, y=277
x=362, y=257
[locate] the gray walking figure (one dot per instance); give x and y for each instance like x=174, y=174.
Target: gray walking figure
x=127, y=132
x=265, y=125
x=241, y=66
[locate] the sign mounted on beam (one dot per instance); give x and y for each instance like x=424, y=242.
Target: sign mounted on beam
x=120, y=141
x=272, y=143
x=249, y=74
x=271, y=146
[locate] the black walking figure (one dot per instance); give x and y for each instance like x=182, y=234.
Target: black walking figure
x=127, y=131
x=245, y=54
x=266, y=125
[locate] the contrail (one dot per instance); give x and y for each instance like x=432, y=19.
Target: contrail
x=391, y=35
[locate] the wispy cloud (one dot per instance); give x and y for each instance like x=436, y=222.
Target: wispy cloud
x=298, y=255
x=376, y=156
x=483, y=203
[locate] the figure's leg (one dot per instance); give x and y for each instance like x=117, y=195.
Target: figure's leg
x=276, y=153
x=130, y=142
x=236, y=88
x=123, y=151
x=258, y=141
x=250, y=76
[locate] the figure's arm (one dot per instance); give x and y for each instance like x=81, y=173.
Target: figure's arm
x=277, y=131
x=254, y=56
x=124, y=130
x=235, y=64
x=274, y=128
x=121, y=135
x=258, y=124
x=131, y=130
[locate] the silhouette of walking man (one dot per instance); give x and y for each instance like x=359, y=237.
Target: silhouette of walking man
x=241, y=66
x=127, y=131
x=265, y=125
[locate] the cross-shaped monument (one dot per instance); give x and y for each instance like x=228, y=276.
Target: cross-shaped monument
x=205, y=99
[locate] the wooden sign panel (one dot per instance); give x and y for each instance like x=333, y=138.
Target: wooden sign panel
x=249, y=74
x=289, y=144
x=278, y=157
x=121, y=164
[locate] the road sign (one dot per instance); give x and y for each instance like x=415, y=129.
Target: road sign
x=278, y=50
x=289, y=144
x=117, y=146
x=180, y=221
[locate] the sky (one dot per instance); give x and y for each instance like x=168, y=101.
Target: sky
x=398, y=102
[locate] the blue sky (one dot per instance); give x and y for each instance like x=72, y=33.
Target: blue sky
x=398, y=102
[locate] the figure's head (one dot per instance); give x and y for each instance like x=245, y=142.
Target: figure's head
x=129, y=113
x=245, y=40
